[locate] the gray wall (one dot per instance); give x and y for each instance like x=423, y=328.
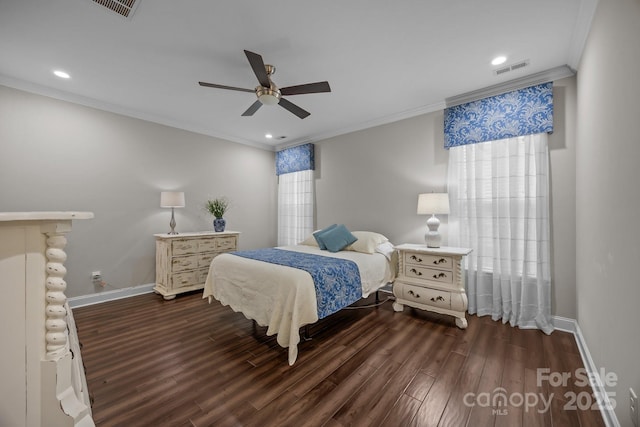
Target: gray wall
x=62, y=156
x=370, y=180
x=608, y=195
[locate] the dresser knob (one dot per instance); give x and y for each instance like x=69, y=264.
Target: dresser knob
x=439, y=261
x=438, y=298
x=439, y=276
x=415, y=258
x=416, y=272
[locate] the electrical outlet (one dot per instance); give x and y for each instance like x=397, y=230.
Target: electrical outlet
x=633, y=407
x=96, y=277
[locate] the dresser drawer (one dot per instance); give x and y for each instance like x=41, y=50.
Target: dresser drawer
x=226, y=243
x=204, y=260
x=187, y=278
x=432, y=274
x=207, y=245
x=182, y=247
x=201, y=275
x=415, y=258
x=183, y=263
x=426, y=296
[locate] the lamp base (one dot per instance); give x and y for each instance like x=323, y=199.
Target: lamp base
x=172, y=224
x=432, y=237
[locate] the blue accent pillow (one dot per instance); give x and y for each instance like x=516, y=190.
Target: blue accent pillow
x=337, y=238
x=318, y=235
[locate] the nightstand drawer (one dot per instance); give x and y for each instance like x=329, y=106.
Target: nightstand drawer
x=184, y=263
x=415, y=258
x=426, y=296
x=431, y=274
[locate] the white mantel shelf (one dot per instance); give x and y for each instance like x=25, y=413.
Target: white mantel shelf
x=44, y=216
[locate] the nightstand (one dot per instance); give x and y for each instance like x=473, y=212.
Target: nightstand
x=182, y=260
x=431, y=279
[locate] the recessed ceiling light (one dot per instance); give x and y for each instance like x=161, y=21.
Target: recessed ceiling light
x=268, y=136
x=499, y=60
x=61, y=74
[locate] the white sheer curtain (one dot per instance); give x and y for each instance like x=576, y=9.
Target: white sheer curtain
x=499, y=195
x=295, y=207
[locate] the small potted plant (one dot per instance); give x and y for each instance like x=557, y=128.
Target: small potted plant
x=217, y=207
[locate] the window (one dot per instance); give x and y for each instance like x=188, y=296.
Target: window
x=499, y=196
x=295, y=207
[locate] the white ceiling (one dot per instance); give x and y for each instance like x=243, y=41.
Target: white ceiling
x=385, y=60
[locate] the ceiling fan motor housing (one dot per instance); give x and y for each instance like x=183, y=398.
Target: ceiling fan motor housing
x=268, y=96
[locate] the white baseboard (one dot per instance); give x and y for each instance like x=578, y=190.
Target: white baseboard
x=84, y=300
x=572, y=326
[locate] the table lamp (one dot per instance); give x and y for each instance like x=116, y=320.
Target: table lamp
x=172, y=199
x=433, y=203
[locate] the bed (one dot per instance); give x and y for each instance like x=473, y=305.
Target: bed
x=285, y=298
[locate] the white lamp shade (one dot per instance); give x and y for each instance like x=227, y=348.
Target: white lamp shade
x=172, y=199
x=433, y=203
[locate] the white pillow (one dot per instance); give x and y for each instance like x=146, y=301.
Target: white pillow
x=310, y=241
x=367, y=242
x=387, y=249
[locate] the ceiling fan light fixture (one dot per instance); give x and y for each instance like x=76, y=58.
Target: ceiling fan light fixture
x=268, y=96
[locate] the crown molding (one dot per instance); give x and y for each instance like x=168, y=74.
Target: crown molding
x=511, y=85
x=112, y=108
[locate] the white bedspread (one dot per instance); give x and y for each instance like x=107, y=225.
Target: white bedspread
x=283, y=298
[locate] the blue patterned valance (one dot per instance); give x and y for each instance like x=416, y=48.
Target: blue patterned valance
x=295, y=159
x=521, y=112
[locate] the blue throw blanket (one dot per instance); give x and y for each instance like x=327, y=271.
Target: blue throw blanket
x=337, y=281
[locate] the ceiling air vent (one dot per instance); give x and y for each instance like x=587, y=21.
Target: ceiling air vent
x=511, y=67
x=123, y=8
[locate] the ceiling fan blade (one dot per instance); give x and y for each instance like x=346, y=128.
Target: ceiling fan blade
x=290, y=106
x=306, y=88
x=254, y=107
x=258, y=68
x=205, y=84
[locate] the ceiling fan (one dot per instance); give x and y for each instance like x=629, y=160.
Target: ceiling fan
x=268, y=93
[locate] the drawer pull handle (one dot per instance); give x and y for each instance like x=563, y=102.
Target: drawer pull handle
x=439, y=261
x=414, y=294
x=440, y=276
x=416, y=272
x=415, y=258
x=438, y=298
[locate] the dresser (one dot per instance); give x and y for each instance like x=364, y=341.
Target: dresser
x=43, y=382
x=182, y=260
x=431, y=279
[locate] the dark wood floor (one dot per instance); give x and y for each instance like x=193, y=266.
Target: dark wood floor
x=151, y=362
